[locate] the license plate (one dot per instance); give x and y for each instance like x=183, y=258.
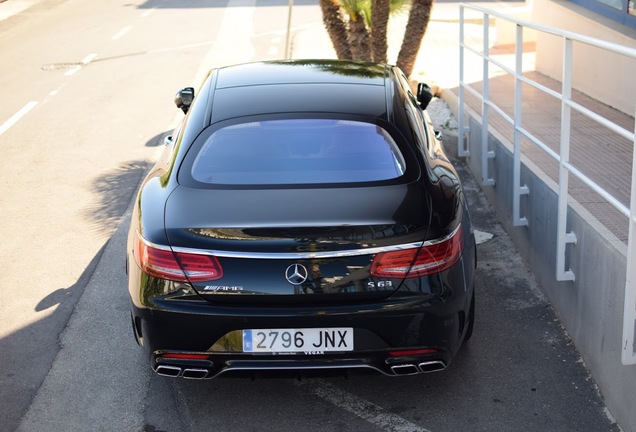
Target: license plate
x=298, y=340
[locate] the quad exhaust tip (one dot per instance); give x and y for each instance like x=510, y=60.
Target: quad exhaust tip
x=431, y=366
x=168, y=371
x=187, y=373
x=413, y=369
x=405, y=369
x=194, y=373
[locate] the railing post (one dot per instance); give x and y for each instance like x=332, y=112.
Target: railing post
x=486, y=153
x=517, y=189
x=629, y=316
x=462, y=145
x=563, y=238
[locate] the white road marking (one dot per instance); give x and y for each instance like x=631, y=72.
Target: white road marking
x=17, y=116
x=86, y=60
x=89, y=58
x=73, y=70
x=364, y=409
x=53, y=93
x=121, y=33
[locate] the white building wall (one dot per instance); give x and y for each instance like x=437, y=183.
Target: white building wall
x=609, y=78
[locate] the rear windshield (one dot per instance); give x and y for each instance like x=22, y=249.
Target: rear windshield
x=298, y=151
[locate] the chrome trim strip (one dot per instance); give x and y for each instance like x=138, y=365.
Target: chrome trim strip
x=305, y=255
x=300, y=255
x=298, y=368
x=443, y=239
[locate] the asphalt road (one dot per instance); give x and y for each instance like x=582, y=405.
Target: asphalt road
x=86, y=92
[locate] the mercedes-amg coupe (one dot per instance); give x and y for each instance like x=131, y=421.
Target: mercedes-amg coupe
x=303, y=216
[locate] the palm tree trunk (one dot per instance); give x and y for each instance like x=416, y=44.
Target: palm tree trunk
x=336, y=28
x=419, y=16
x=379, y=25
x=359, y=39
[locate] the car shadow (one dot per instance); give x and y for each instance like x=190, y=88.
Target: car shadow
x=77, y=367
x=157, y=140
x=115, y=189
x=113, y=192
x=28, y=353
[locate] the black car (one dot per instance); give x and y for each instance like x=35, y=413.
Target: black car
x=303, y=216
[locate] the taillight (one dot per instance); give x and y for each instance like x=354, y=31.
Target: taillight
x=433, y=257
x=176, y=266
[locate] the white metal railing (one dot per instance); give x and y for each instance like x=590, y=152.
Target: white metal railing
x=562, y=157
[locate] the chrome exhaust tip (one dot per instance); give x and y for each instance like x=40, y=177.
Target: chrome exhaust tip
x=195, y=373
x=431, y=366
x=168, y=371
x=405, y=369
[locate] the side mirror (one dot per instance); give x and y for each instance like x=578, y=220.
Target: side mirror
x=424, y=95
x=183, y=99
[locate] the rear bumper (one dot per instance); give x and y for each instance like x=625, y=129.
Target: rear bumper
x=220, y=364
x=400, y=336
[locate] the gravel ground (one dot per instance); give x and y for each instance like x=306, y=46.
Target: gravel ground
x=441, y=115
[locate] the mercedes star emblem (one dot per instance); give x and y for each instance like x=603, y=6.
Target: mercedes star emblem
x=296, y=274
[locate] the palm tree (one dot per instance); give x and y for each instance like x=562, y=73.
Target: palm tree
x=419, y=16
x=359, y=12
x=351, y=24
x=380, y=10
x=336, y=27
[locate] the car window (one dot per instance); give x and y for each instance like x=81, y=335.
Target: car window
x=298, y=151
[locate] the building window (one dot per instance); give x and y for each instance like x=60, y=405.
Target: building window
x=617, y=10
x=616, y=4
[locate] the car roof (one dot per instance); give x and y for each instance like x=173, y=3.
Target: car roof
x=301, y=86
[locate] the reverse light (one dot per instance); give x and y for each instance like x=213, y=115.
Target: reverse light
x=432, y=257
x=175, y=266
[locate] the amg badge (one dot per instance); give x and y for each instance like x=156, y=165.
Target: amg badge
x=225, y=288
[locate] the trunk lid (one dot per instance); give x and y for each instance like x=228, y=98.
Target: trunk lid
x=301, y=245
